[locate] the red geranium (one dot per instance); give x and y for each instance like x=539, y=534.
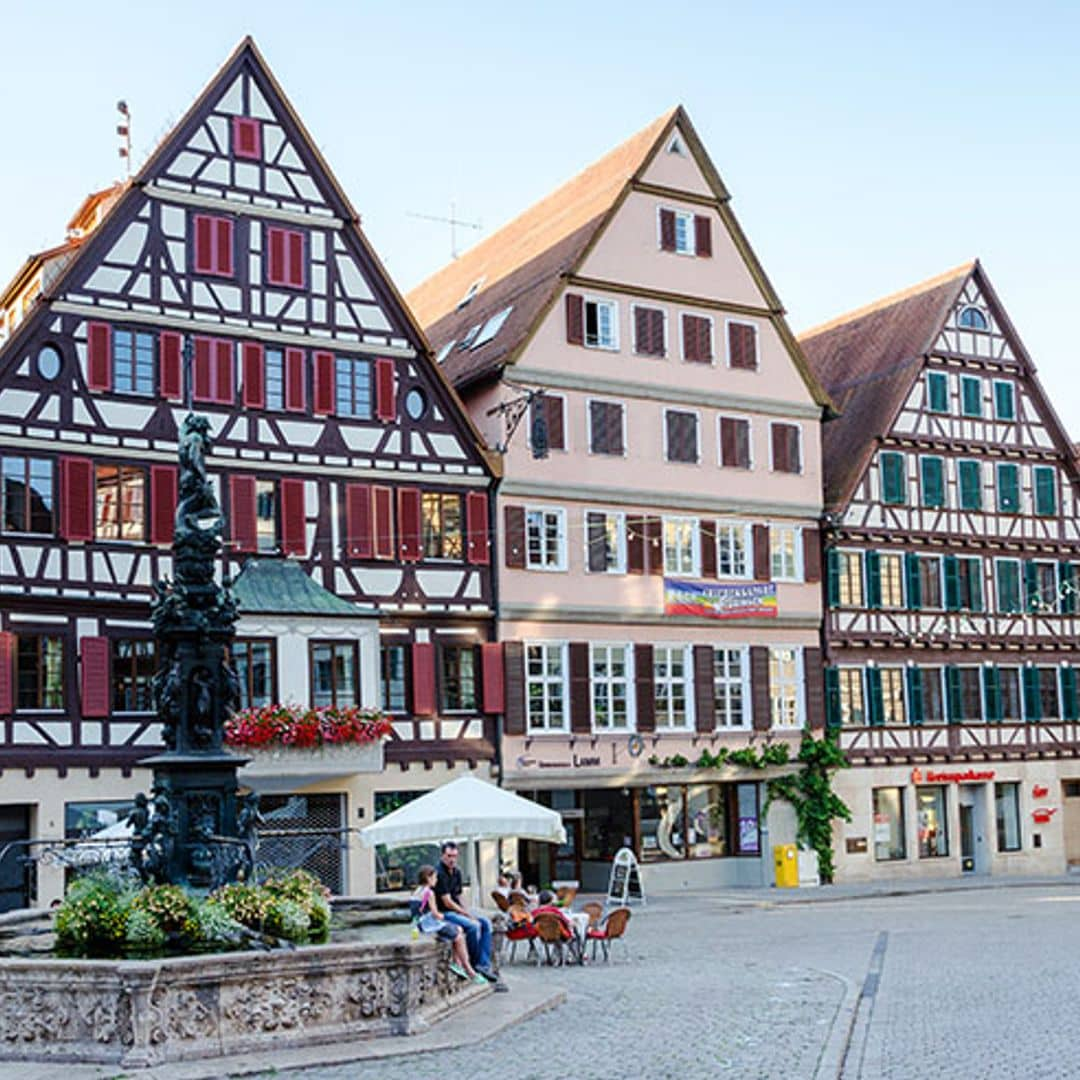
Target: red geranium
x=291, y=725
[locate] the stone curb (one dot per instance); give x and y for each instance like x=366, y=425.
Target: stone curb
x=831, y=1061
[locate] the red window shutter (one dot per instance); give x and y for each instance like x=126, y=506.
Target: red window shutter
x=254, y=376
x=295, y=388
x=204, y=244
x=203, y=382
x=246, y=137
x=77, y=495
x=514, y=688
x=223, y=247
x=409, y=523
x=170, y=365
x=423, y=673
x=242, y=513
x=223, y=392
x=575, y=319
x=477, y=549
x=293, y=517
x=275, y=269
x=295, y=255
x=324, y=384
x=359, y=537
x=811, y=554
x=667, y=230
x=492, y=669
x=762, y=554
x=99, y=356
x=383, y=505
x=163, y=497
x=385, y=390
x=702, y=236
x=7, y=673
x=95, y=680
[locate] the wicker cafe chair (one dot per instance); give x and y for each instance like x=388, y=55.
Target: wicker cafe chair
x=595, y=912
x=521, y=929
x=501, y=902
x=565, y=894
x=613, y=929
x=556, y=937
x=518, y=897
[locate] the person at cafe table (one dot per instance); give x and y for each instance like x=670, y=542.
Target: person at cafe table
x=448, y=896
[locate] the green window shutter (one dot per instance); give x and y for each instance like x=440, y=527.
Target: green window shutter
x=1031, y=586
x=952, y=583
x=932, y=472
x=874, y=700
x=911, y=581
x=1032, y=705
x=992, y=694
x=1008, y=586
x=1045, y=491
x=873, y=579
x=832, y=697
x=832, y=576
x=1067, y=578
x=893, y=483
x=1068, y=692
x=953, y=701
x=975, y=576
x=1008, y=488
x=970, y=395
x=970, y=485
x=1004, y=402
x=916, y=710
x=937, y=383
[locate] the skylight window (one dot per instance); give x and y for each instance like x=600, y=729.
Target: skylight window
x=471, y=292
x=444, y=352
x=470, y=337
x=492, y=327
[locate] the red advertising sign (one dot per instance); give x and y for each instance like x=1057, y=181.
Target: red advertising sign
x=970, y=776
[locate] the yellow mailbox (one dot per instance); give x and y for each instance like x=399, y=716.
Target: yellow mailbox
x=786, y=865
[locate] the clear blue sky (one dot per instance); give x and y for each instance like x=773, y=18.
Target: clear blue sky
x=867, y=146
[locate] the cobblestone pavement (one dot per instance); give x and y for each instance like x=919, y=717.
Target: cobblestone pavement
x=974, y=984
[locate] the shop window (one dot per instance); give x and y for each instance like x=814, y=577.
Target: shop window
x=707, y=833
x=545, y=686
x=133, y=667
x=933, y=822
x=441, y=525
x=748, y=811
x=730, y=692
x=662, y=812
x=26, y=495
x=605, y=538
x=852, y=703
x=458, y=678
x=785, y=677
x=671, y=686
x=253, y=662
x=610, y=684
x=335, y=679
x=120, y=494
x=39, y=672
x=850, y=578
x=889, y=841
x=394, y=660
x=1007, y=816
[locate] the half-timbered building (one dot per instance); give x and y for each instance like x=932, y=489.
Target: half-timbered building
x=666, y=470
x=230, y=276
x=953, y=545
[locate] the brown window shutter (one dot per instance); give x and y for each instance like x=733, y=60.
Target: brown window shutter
x=643, y=688
x=514, y=663
x=642, y=331
x=742, y=444
x=7, y=673
x=553, y=406
x=575, y=319
x=667, y=230
x=759, y=687
x=654, y=545
x=815, y=687
x=656, y=332
x=514, y=528
x=596, y=542
x=762, y=554
x=635, y=544
x=728, y=452
x=708, y=547
x=704, y=695
x=742, y=346
x=690, y=339
x=580, y=712
x=702, y=236
x=779, y=449
x=705, y=349
x=811, y=539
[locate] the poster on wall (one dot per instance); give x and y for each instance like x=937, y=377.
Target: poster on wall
x=748, y=835
x=751, y=598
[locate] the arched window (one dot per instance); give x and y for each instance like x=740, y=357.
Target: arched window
x=971, y=318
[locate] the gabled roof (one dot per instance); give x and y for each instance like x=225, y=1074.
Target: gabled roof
x=280, y=587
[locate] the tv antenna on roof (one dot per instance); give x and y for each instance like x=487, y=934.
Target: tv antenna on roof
x=123, y=129
x=453, y=221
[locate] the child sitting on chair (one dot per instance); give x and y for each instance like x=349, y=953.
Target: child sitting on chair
x=429, y=920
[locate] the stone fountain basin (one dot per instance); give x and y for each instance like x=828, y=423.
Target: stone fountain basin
x=136, y=1013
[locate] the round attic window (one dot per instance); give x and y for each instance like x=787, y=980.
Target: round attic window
x=416, y=403
x=49, y=362
x=973, y=318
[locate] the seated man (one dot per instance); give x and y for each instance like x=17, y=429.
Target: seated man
x=448, y=895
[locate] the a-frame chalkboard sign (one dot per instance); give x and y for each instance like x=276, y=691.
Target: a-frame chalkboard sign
x=624, y=886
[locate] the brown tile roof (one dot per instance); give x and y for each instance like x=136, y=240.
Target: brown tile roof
x=867, y=361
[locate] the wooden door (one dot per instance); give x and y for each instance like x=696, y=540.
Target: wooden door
x=1071, y=820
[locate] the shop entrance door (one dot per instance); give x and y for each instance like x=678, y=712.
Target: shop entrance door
x=14, y=876
x=1072, y=823
x=568, y=855
x=972, y=829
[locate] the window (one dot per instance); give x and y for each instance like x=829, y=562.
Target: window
x=968, y=694
x=601, y=324
x=1004, y=400
x=440, y=517
x=971, y=395
x=213, y=245
x=545, y=539
x=681, y=547
x=684, y=233
x=1007, y=816
x=697, y=338
x=605, y=542
x=732, y=550
x=930, y=581
x=971, y=318
x=937, y=391
x=458, y=678
x=785, y=679
x=246, y=137
x=253, y=662
x=545, y=687
x=1008, y=682
x=933, y=822
x=891, y=578
x=352, y=381
x=893, y=478
x=932, y=474
x=849, y=579
x=285, y=257
x=784, y=552
x=120, y=502
x=274, y=378
x=1007, y=585
x=335, y=677
x=39, y=672
x=610, y=667
x=133, y=362
x=266, y=540
x=1045, y=480
x=730, y=692
x=26, y=495
x=607, y=428
x=892, y=695
x=735, y=443
x=492, y=327
x=970, y=474
x=547, y=415
x=933, y=697
x=671, y=686
x=1008, y=488
x=786, y=448
x=1049, y=705
x=681, y=436
x=969, y=584
x=133, y=667
x=394, y=661
x=852, y=704
x=889, y=841
x=650, y=331
x=1041, y=587
x=742, y=346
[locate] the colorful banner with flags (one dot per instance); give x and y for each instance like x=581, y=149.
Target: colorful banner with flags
x=720, y=601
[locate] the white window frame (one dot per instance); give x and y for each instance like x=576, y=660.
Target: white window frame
x=905, y=706
x=730, y=528
x=588, y=425
x=743, y=682
x=801, y=471
x=691, y=234
x=697, y=415
x=749, y=421
x=712, y=336
x=620, y=545
x=858, y=555
x=695, y=545
x=560, y=563
x=614, y=305
x=860, y=681
x=631, y=710
x=797, y=684
x=688, y=688
x=899, y=557
x=548, y=680
x=774, y=531
x=633, y=331
x=727, y=344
